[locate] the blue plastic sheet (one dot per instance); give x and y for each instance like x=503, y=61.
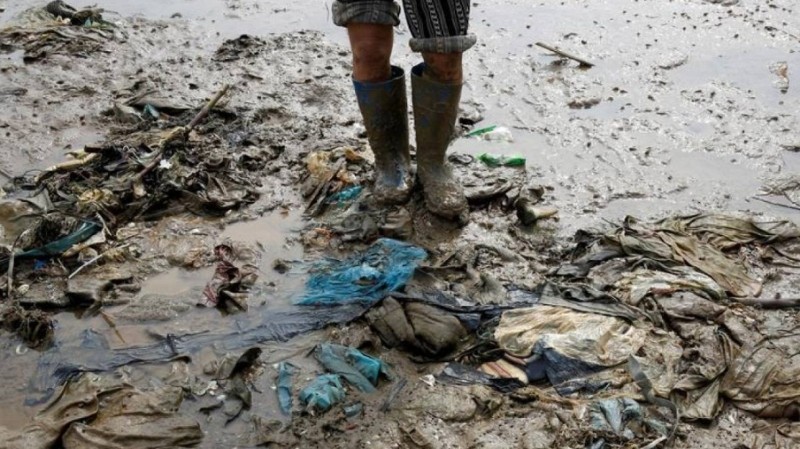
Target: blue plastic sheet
x=383, y=268
x=285, y=372
x=323, y=393
x=359, y=369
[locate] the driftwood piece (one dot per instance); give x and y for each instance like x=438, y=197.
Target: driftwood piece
x=581, y=61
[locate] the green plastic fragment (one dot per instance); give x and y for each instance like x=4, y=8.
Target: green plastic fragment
x=493, y=160
x=478, y=132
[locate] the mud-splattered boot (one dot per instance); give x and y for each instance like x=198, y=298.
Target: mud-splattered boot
x=435, y=111
x=385, y=111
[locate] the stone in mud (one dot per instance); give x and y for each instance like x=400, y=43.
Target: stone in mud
x=154, y=307
x=446, y=403
x=671, y=59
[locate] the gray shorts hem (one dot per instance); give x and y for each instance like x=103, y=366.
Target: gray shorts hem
x=380, y=12
x=449, y=44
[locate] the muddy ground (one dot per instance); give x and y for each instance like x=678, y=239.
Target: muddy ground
x=686, y=110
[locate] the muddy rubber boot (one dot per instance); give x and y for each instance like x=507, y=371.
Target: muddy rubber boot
x=435, y=111
x=385, y=111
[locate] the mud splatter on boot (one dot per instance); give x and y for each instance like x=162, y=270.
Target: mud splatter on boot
x=385, y=111
x=435, y=110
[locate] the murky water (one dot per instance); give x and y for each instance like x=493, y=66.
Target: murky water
x=686, y=117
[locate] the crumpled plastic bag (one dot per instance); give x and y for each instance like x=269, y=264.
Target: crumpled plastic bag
x=91, y=413
x=324, y=392
x=359, y=369
x=561, y=344
x=696, y=241
x=764, y=379
x=366, y=277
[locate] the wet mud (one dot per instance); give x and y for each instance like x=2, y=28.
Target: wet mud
x=691, y=106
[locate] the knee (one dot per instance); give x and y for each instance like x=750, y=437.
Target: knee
x=371, y=55
x=444, y=67
x=372, y=51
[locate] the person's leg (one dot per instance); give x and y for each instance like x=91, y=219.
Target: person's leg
x=444, y=67
x=371, y=45
x=439, y=29
x=381, y=92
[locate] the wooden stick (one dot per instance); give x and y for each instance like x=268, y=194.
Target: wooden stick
x=95, y=259
x=207, y=108
x=770, y=303
x=189, y=128
x=321, y=190
x=775, y=203
x=581, y=61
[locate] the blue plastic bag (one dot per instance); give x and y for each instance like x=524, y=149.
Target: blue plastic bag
x=285, y=373
x=323, y=392
x=383, y=268
x=357, y=368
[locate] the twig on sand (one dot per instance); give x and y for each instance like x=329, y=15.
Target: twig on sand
x=581, y=61
x=317, y=199
x=770, y=303
x=110, y=321
x=189, y=128
x=775, y=203
x=207, y=108
x=96, y=258
x=12, y=257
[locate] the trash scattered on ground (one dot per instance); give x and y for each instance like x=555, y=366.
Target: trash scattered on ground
x=34, y=327
x=91, y=411
x=641, y=321
x=228, y=289
x=342, y=363
x=55, y=366
x=358, y=369
x=124, y=180
x=383, y=268
x=234, y=373
x=76, y=34
x=561, y=344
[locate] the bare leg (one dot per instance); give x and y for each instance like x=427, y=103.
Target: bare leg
x=372, y=50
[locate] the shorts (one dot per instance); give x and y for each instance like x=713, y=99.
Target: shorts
x=437, y=26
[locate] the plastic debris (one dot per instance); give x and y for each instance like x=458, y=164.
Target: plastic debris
x=324, y=392
x=354, y=410
x=498, y=134
x=346, y=195
x=285, y=373
x=528, y=213
x=151, y=111
x=493, y=160
x=359, y=369
x=93, y=412
x=385, y=267
x=492, y=133
x=228, y=288
x=84, y=230
x=562, y=344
